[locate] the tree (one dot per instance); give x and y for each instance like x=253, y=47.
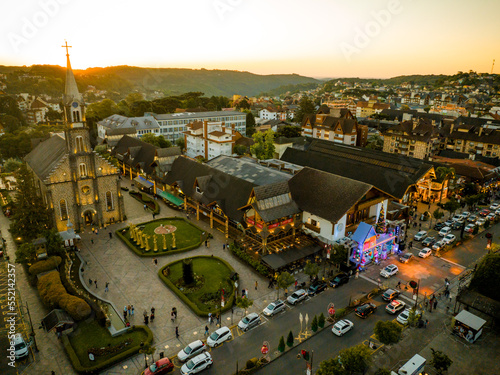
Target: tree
x=180, y=142
x=413, y=317
x=387, y=332
x=375, y=142
x=147, y=349
x=311, y=269
x=52, y=115
x=10, y=123
x=244, y=303
x=54, y=242
x=306, y=107
x=289, y=339
x=437, y=214
x=187, y=271
x=338, y=254
x=451, y=206
x=281, y=345
x=243, y=104
x=156, y=140
x=314, y=324
x=356, y=359
x=289, y=131
x=100, y=110
x=486, y=276
x=284, y=281
x=443, y=174
x=250, y=124
x=321, y=320
x=134, y=97
x=331, y=366
x=440, y=361
x=263, y=147
x=239, y=149
x=25, y=253
x=12, y=165
x=31, y=217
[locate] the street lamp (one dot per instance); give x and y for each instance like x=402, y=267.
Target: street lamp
x=32, y=334
x=144, y=351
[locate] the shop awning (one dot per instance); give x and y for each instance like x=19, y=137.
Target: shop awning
x=170, y=197
x=279, y=260
x=141, y=180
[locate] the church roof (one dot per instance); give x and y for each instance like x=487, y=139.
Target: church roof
x=71, y=89
x=45, y=157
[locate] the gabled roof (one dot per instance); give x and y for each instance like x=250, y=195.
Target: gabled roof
x=274, y=201
x=46, y=156
x=324, y=194
x=136, y=153
x=169, y=151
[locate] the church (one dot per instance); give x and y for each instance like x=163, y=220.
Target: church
x=75, y=183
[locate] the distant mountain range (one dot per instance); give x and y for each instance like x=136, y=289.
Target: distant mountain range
x=170, y=81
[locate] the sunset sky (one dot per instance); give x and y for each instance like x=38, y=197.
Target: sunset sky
x=318, y=38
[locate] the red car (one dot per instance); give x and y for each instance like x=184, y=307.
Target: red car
x=484, y=212
x=160, y=367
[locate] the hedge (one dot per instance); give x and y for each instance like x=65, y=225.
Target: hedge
x=54, y=294
x=145, y=199
x=247, y=258
x=159, y=253
x=45, y=265
x=229, y=301
x=75, y=361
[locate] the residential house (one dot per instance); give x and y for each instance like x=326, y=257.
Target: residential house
x=336, y=125
x=370, y=107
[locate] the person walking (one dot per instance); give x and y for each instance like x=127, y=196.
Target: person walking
x=124, y=314
x=435, y=304
x=206, y=331
x=217, y=317
x=90, y=281
x=172, y=316
x=110, y=235
x=152, y=317
x=125, y=311
x=155, y=261
x=145, y=314
x=129, y=309
x=95, y=282
x=210, y=318
x=296, y=284
x=399, y=285
x=153, y=310
x=177, y=332
x=145, y=207
x=256, y=284
x=146, y=319
x=223, y=246
x=174, y=310
x=107, y=287
x=132, y=310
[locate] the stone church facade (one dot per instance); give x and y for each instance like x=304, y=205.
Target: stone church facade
x=76, y=183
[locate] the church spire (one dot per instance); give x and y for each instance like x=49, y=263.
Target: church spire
x=71, y=90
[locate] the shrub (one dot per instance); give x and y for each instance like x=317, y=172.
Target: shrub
x=340, y=313
x=251, y=363
x=281, y=345
x=321, y=321
x=388, y=332
x=289, y=339
x=45, y=265
x=255, y=264
x=314, y=324
x=75, y=306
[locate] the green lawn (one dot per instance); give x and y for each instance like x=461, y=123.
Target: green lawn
x=214, y=272
x=91, y=334
x=186, y=235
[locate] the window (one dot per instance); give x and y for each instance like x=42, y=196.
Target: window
x=109, y=201
x=63, y=209
x=86, y=190
x=79, y=144
x=83, y=170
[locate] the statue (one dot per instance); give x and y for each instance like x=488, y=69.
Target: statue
x=173, y=241
x=155, y=247
x=164, y=242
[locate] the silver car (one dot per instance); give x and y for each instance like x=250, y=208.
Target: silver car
x=249, y=321
x=192, y=350
x=297, y=296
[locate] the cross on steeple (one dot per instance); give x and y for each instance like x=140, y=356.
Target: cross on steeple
x=66, y=46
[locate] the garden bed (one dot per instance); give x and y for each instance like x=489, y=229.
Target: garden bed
x=187, y=237
x=150, y=203
x=203, y=296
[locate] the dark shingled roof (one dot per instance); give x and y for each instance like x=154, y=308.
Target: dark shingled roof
x=46, y=156
x=138, y=153
x=283, y=205
x=324, y=194
x=390, y=173
x=423, y=131
x=230, y=192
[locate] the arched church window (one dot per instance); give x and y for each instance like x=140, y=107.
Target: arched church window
x=64, y=209
x=109, y=201
x=79, y=144
x=83, y=170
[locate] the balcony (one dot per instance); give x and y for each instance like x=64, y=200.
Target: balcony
x=312, y=227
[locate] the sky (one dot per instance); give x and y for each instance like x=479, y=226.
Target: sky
x=316, y=38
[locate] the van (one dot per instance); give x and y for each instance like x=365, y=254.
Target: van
x=444, y=231
x=414, y=366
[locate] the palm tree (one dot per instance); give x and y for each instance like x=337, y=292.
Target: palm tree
x=443, y=174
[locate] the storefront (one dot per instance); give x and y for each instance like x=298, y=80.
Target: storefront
x=372, y=246
x=468, y=326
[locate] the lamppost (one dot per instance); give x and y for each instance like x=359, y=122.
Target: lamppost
x=144, y=351
x=32, y=334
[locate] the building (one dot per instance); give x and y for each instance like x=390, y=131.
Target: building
x=334, y=125
x=173, y=125
x=272, y=114
x=209, y=139
x=369, y=108
x=111, y=129
x=416, y=138
x=75, y=183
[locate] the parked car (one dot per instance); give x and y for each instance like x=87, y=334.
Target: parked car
x=448, y=223
x=457, y=218
x=469, y=228
x=484, y=212
x=429, y=241
x=438, y=226
x=438, y=245
x=342, y=326
x=297, y=296
x=497, y=212
x=480, y=222
x=420, y=235
x=472, y=218
x=425, y=252
x=192, y=350
x=160, y=367
x=317, y=287
x=20, y=346
x=274, y=308
x=338, y=280
x=490, y=217
x=406, y=257
x=197, y=364
x=403, y=317
x=366, y=309
x=465, y=214
x=389, y=271
x=444, y=231
x=449, y=239
x=456, y=225
x=249, y=321
x=494, y=206
x=395, y=306
x=390, y=294
x=219, y=336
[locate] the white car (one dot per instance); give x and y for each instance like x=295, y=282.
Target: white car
x=420, y=235
x=497, y=212
x=274, y=308
x=444, y=231
x=219, y=336
x=395, y=306
x=403, y=317
x=469, y=228
x=297, y=296
x=20, y=346
x=449, y=239
x=249, y=321
x=480, y=222
x=490, y=217
x=457, y=218
x=438, y=245
x=465, y=214
x=425, y=252
x=197, y=364
x=494, y=206
x=192, y=350
x=342, y=326
x=389, y=271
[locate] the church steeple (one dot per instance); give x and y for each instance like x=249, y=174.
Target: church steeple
x=74, y=109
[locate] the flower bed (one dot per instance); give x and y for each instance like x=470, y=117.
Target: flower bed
x=255, y=264
x=150, y=203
